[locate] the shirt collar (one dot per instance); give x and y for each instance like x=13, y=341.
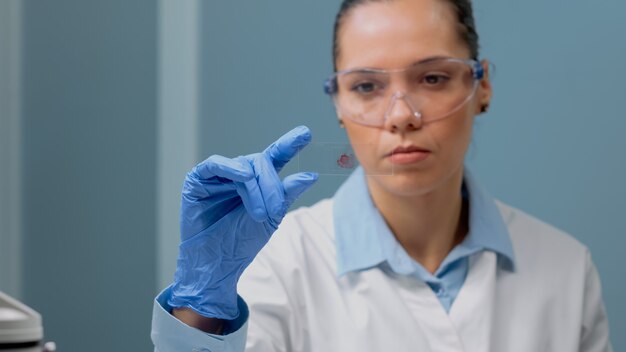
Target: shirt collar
x=360, y=229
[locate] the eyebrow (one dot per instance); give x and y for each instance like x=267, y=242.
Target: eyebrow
x=431, y=58
x=375, y=69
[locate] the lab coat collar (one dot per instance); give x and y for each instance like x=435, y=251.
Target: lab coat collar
x=358, y=225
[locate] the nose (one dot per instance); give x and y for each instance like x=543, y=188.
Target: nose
x=401, y=116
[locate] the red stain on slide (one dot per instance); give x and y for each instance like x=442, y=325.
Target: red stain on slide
x=346, y=161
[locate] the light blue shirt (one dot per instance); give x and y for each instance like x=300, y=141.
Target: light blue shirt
x=363, y=241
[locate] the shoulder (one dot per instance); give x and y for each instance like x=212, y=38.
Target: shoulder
x=305, y=233
x=310, y=219
x=540, y=245
x=526, y=228
x=299, y=254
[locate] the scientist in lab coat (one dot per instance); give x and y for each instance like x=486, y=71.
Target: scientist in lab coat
x=411, y=254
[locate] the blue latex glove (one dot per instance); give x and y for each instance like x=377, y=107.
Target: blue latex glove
x=229, y=210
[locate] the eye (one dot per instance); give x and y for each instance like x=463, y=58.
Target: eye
x=435, y=79
x=364, y=87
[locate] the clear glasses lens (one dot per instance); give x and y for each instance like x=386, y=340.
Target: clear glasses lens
x=434, y=88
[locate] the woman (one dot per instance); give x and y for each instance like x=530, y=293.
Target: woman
x=410, y=254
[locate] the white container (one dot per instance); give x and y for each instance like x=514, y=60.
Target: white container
x=19, y=325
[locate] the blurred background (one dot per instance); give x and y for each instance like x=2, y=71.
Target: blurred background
x=104, y=105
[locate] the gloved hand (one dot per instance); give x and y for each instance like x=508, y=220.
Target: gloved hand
x=229, y=210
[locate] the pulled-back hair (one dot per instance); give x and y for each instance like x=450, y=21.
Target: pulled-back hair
x=462, y=8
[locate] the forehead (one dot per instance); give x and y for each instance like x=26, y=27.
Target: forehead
x=394, y=34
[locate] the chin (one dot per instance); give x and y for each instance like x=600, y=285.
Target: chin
x=412, y=182
x=406, y=182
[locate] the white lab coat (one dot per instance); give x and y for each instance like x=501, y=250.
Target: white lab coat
x=552, y=302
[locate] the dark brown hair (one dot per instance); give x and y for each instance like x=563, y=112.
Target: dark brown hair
x=463, y=9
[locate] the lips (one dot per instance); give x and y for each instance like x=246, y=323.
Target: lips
x=408, y=149
x=408, y=155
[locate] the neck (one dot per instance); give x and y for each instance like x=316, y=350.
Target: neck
x=428, y=225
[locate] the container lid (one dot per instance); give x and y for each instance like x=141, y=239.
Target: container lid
x=18, y=322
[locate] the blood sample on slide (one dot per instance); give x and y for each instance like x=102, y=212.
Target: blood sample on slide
x=346, y=161
x=332, y=158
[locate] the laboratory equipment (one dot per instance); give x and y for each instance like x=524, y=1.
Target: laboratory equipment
x=338, y=159
x=21, y=328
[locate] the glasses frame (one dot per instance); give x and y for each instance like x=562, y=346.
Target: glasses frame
x=331, y=87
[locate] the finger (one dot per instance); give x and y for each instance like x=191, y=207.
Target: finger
x=271, y=187
x=296, y=184
x=220, y=166
x=250, y=193
x=195, y=189
x=252, y=199
x=287, y=146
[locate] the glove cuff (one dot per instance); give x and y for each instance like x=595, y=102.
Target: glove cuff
x=221, y=304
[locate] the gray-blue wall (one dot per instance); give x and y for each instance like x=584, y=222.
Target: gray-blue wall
x=89, y=117
x=263, y=66
x=552, y=143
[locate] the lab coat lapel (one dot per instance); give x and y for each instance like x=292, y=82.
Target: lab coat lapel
x=429, y=315
x=473, y=310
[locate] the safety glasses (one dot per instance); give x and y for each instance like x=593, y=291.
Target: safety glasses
x=433, y=89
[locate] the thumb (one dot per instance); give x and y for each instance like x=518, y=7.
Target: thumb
x=296, y=184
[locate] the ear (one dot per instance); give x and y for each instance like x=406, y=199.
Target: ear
x=485, y=90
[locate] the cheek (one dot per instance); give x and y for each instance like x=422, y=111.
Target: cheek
x=453, y=135
x=366, y=142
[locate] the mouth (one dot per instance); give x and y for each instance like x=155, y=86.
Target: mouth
x=408, y=149
x=408, y=155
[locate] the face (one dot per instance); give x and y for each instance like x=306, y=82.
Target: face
x=392, y=35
